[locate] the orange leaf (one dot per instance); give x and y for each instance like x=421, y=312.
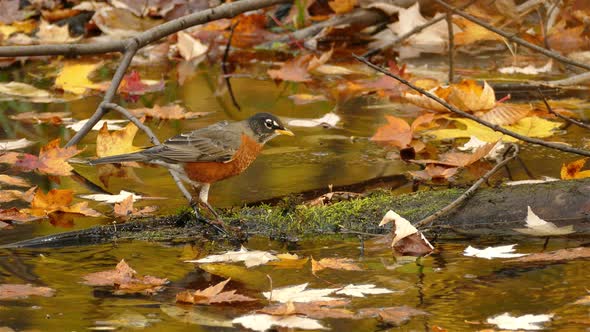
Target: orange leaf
x=471, y=97
x=473, y=33
x=170, y=112
x=54, y=159
x=334, y=263
x=19, y=291
x=294, y=70
x=58, y=200
x=125, y=209
x=124, y=279
x=505, y=114
x=572, y=170
x=434, y=172
x=342, y=6
x=397, y=132
x=460, y=159
x=211, y=295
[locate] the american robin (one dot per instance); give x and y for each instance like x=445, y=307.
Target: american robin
x=207, y=155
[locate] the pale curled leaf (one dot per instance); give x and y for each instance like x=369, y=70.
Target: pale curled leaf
x=111, y=199
x=299, y=293
x=250, y=258
x=362, y=290
x=112, y=124
x=493, y=252
x=538, y=227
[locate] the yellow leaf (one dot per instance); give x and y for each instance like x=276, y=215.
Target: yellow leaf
x=571, y=170
x=73, y=77
x=529, y=126
x=473, y=33
x=116, y=142
x=471, y=97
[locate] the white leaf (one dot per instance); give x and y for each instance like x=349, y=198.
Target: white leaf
x=521, y=182
x=493, y=252
x=298, y=293
x=111, y=199
x=190, y=48
x=539, y=227
x=23, y=90
x=330, y=120
x=15, y=145
x=528, y=70
x=250, y=258
x=112, y=124
x=263, y=322
x=475, y=143
x=526, y=322
x=361, y=290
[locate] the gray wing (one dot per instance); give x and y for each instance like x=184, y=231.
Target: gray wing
x=218, y=142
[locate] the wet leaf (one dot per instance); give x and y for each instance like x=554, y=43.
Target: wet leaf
x=26, y=91
x=299, y=293
x=262, y=322
x=329, y=120
x=423, y=101
x=460, y=159
x=493, y=252
x=362, y=290
x=54, y=160
x=304, y=98
x=472, y=33
x=527, y=322
x=13, y=214
x=170, y=112
x=112, y=124
x=317, y=310
x=189, y=47
x=434, y=172
x=529, y=126
x=294, y=70
x=133, y=85
x=335, y=264
x=407, y=239
x=9, y=11
x=250, y=258
x=12, y=195
x=573, y=170
x=471, y=97
x=73, y=77
x=15, y=144
x=556, y=256
x=58, y=200
x=538, y=227
x=568, y=39
x=116, y=142
x=527, y=70
x=111, y=199
x=42, y=117
x=212, y=295
x=195, y=315
x=396, y=132
x=20, y=291
x=125, y=209
x=54, y=34
x=14, y=181
x=288, y=261
x=391, y=315
x=124, y=279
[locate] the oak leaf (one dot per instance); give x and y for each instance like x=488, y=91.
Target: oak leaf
x=212, y=295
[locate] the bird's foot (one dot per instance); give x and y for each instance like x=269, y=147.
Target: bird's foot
x=217, y=224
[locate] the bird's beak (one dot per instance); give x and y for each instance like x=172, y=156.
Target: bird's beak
x=284, y=131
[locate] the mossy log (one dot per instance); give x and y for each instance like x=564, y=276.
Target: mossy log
x=491, y=211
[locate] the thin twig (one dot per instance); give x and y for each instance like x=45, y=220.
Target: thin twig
x=410, y=33
x=451, y=47
x=556, y=146
x=224, y=66
x=513, y=38
x=469, y=192
x=561, y=116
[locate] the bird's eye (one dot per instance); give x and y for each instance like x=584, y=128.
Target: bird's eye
x=268, y=123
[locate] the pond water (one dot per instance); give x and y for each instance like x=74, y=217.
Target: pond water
x=457, y=292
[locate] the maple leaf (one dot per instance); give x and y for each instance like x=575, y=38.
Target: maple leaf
x=294, y=70
x=334, y=263
x=250, y=258
x=125, y=209
x=506, y=321
x=398, y=132
x=116, y=142
x=493, y=252
x=124, y=279
x=73, y=77
x=251, y=31
x=54, y=159
x=20, y=291
x=57, y=200
x=573, y=170
x=470, y=96
x=299, y=293
x=212, y=295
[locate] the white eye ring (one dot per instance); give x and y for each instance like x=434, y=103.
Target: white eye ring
x=268, y=123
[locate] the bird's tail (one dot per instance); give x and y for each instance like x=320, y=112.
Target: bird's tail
x=136, y=156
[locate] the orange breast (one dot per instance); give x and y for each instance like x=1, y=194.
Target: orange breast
x=209, y=172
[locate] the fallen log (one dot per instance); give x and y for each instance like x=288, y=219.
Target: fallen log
x=490, y=212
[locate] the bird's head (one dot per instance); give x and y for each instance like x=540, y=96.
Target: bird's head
x=267, y=126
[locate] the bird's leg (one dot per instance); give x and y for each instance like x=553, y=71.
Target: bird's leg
x=204, y=197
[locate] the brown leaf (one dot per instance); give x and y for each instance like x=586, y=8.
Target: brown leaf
x=19, y=291
x=387, y=86
x=334, y=263
x=13, y=214
x=460, y=159
x=125, y=209
x=472, y=33
x=568, y=40
x=316, y=310
x=392, y=315
x=58, y=200
x=555, y=256
x=413, y=245
x=471, y=97
x=170, y=112
x=397, y=132
x=294, y=70
x=434, y=172
x=506, y=114
x=14, y=181
x=124, y=279
x=212, y=295
x=12, y=195
x=54, y=159
x=41, y=117
x=288, y=261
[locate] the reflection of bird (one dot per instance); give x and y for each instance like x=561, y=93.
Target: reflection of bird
x=207, y=155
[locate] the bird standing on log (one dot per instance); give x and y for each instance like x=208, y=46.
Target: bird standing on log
x=214, y=153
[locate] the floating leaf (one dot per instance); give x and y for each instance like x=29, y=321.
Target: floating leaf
x=262, y=322
x=125, y=209
x=189, y=47
x=15, y=144
x=299, y=293
x=170, y=112
x=14, y=181
x=392, y=315
x=58, y=200
x=42, y=117
x=212, y=295
x=20, y=291
x=250, y=258
x=362, y=290
x=573, y=170
x=335, y=264
x=493, y=252
x=73, y=77
x=471, y=97
x=124, y=279
x=113, y=124
x=556, y=256
x=111, y=199
x=116, y=142
x=539, y=227
x=328, y=120
x=527, y=322
x=407, y=240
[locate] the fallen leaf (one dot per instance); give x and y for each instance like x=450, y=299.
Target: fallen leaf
x=189, y=47
x=15, y=144
x=471, y=97
x=342, y=6
x=13, y=214
x=506, y=114
x=362, y=290
x=195, y=315
x=391, y=315
x=299, y=293
x=288, y=261
x=471, y=33
x=55, y=118
x=12, y=195
x=387, y=86
x=407, y=240
x=262, y=322
x=529, y=126
x=170, y=112
x=294, y=70
x=305, y=98
x=14, y=181
x=316, y=310
x=556, y=256
x=250, y=258
x=506, y=321
x=538, y=227
x=21, y=291
x=423, y=101
x=111, y=199
x=434, y=172
x=572, y=170
x=73, y=77
x=328, y=120
x=116, y=142
x=212, y=295
x=396, y=132
x=27, y=91
x=493, y=252
x=125, y=209
x=112, y=124
x=524, y=182
x=335, y=264
x=54, y=34
x=54, y=160
x=527, y=70
x=585, y=300
x=124, y=279
x=460, y=159
x=57, y=200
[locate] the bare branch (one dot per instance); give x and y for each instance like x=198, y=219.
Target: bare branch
x=514, y=39
x=556, y=146
x=469, y=192
x=563, y=117
x=451, y=47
